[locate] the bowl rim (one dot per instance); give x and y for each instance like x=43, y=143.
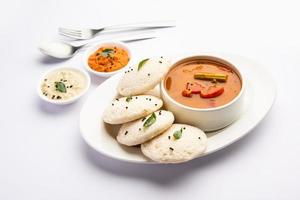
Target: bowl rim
x=63, y=102
x=96, y=46
x=208, y=57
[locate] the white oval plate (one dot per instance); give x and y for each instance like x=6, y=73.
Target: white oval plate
x=259, y=94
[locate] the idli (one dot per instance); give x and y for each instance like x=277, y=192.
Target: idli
x=130, y=108
x=143, y=77
x=144, y=129
x=180, y=143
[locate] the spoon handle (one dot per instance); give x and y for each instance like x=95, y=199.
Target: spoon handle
x=141, y=25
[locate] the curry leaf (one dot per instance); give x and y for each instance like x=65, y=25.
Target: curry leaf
x=61, y=87
x=129, y=98
x=107, y=52
x=142, y=63
x=177, y=134
x=151, y=120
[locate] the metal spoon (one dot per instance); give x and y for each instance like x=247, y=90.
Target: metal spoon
x=64, y=50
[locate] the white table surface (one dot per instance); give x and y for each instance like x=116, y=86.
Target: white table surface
x=43, y=156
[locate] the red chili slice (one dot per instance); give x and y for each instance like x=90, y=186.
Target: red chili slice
x=212, y=92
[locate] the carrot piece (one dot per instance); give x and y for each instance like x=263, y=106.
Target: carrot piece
x=194, y=87
x=186, y=93
x=212, y=92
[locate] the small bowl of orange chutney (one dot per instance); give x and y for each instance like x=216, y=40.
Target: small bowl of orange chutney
x=107, y=59
x=204, y=91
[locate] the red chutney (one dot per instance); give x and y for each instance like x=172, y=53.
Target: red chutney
x=202, y=83
x=108, y=59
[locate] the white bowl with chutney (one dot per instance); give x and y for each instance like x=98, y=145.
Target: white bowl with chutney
x=204, y=91
x=63, y=85
x=107, y=58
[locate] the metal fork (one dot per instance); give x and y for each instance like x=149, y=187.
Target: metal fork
x=83, y=34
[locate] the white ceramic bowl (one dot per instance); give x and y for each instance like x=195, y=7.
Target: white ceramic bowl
x=68, y=101
x=94, y=48
x=208, y=119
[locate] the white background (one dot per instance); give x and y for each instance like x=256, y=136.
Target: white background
x=43, y=156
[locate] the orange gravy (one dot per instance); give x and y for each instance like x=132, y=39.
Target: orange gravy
x=178, y=77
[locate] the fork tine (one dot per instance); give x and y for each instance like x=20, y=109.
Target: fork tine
x=70, y=35
x=69, y=30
